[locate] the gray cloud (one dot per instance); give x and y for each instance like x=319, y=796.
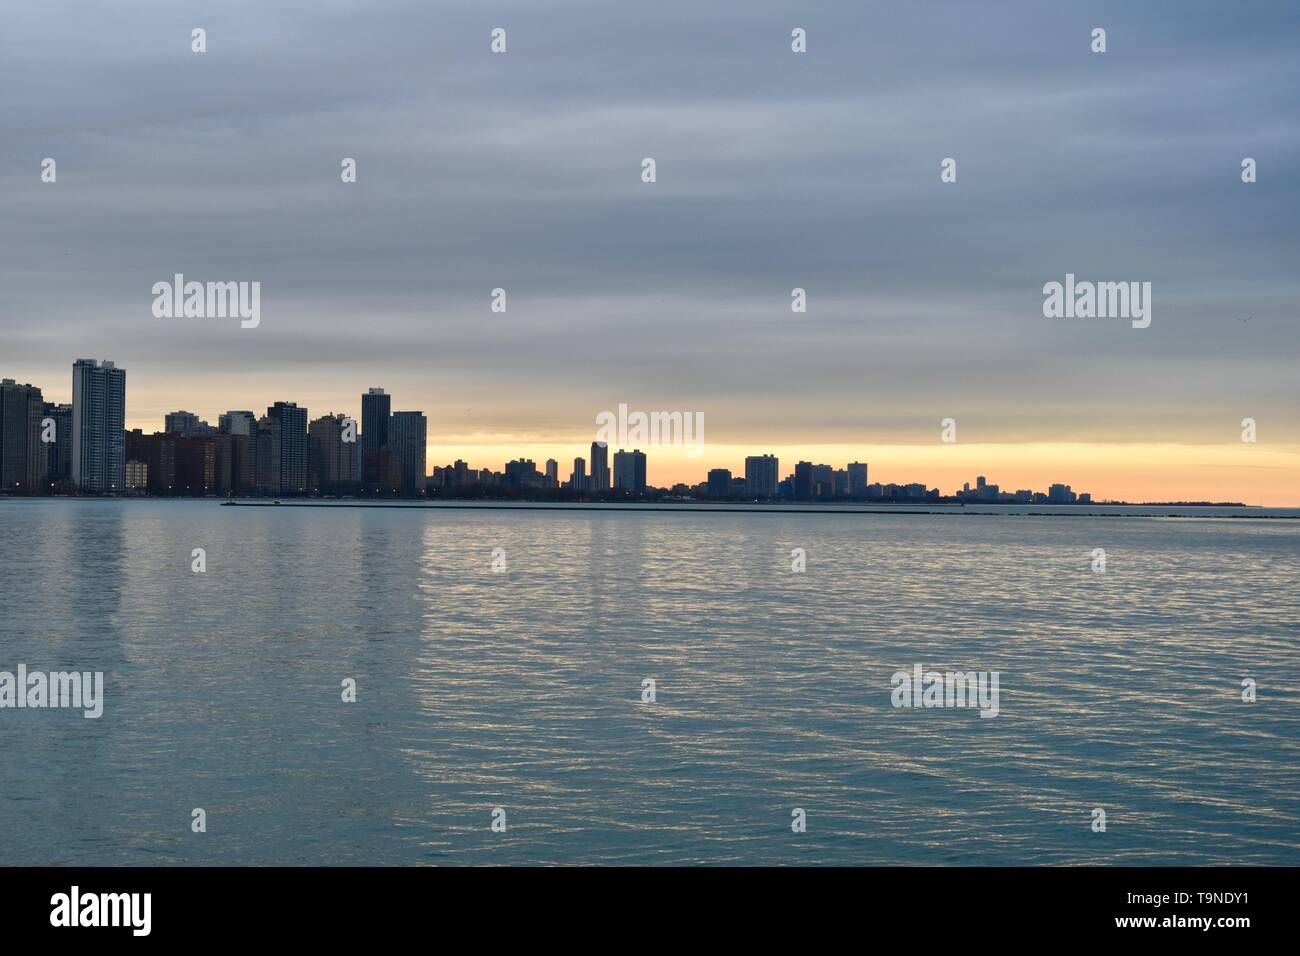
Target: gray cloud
x=775, y=171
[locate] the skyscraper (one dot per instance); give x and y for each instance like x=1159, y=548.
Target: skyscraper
x=376, y=407
x=578, y=480
x=24, y=460
x=803, y=480
x=59, y=466
x=760, y=476
x=293, y=446
x=599, y=466
x=823, y=479
x=236, y=447
x=406, y=440
x=629, y=471
x=98, y=426
x=267, y=470
x=331, y=461
x=552, y=473
x=857, y=479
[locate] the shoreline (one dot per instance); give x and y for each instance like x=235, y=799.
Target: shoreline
x=743, y=509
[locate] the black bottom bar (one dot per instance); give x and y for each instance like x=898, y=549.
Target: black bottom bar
x=644, y=907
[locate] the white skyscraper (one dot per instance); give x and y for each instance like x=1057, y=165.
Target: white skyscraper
x=98, y=426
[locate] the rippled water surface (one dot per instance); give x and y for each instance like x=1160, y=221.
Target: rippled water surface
x=522, y=690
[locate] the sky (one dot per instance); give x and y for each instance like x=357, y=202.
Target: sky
x=774, y=170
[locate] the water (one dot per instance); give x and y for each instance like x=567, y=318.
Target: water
x=521, y=690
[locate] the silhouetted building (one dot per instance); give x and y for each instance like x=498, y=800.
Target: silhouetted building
x=578, y=480
x=857, y=471
x=24, y=459
x=599, y=466
x=58, y=470
x=376, y=409
x=719, y=482
x=187, y=424
x=803, y=480
x=823, y=477
x=195, y=458
x=629, y=471
x=236, y=462
x=761, y=476
x=406, y=440
x=331, y=461
x=523, y=473
x=267, y=451
x=1060, y=495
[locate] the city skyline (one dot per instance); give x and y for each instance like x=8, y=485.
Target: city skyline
x=694, y=468
x=776, y=171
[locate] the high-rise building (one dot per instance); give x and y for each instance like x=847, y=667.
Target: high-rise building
x=1060, y=495
x=187, y=424
x=236, y=453
x=629, y=471
x=760, y=476
x=98, y=426
x=238, y=423
x=719, y=482
x=803, y=480
x=552, y=473
x=599, y=466
x=293, y=446
x=523, y=473
x=376, y=409
x=24, y=459
x=331, y=461
x=823, y=477
x=58, y=470
x=195, y=457
x=857, y=479
x=267, y=452
x=406, y=440
x=578, y=480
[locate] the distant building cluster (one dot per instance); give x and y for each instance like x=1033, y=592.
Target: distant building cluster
x=84, y=448
x=992, y=494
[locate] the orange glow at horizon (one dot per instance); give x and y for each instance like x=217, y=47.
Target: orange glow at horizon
x=1251, y=473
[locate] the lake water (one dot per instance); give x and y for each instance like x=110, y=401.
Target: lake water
x=522, y=689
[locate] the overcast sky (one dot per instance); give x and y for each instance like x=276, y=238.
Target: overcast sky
x=775, y=170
